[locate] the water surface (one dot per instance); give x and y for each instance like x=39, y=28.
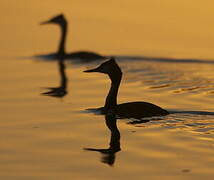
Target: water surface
x=43, y=137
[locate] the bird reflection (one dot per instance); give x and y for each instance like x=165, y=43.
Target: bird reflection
x=61, y=21
x=61, y=90
x=109, y=154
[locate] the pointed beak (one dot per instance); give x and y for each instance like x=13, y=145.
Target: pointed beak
x=45, y=22
x=92, y=70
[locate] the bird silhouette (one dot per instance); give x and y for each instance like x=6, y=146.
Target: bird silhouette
x=137, y=109
x=61, y=21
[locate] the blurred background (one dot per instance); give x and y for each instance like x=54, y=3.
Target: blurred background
x=152, y=28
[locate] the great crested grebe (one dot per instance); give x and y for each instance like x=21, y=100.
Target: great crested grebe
x=63, y=24
x=137, y=109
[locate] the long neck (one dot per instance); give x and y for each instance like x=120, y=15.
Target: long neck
x=61, y=49
x=111, y=99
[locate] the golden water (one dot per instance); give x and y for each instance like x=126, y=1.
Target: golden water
x=44, y=137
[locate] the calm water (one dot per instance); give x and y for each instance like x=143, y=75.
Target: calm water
x=44, y=137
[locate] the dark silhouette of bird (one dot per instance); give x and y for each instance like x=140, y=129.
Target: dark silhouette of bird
x=137, y=109
x=61, y=21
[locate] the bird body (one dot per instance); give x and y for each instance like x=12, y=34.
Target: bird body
x=84, y=55
x=139, y=109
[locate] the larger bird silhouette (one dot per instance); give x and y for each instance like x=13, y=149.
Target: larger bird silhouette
x=61, y=21
x=137, y=109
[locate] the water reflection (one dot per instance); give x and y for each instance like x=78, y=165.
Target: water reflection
x=165, y=59
x=109, y=154
x=59, y=91
x=195, y=122
x=61, y=21
x=171, y=77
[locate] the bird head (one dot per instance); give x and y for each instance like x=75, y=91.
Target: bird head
x=59, y=19
x=107, y=67
x=110, y=68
